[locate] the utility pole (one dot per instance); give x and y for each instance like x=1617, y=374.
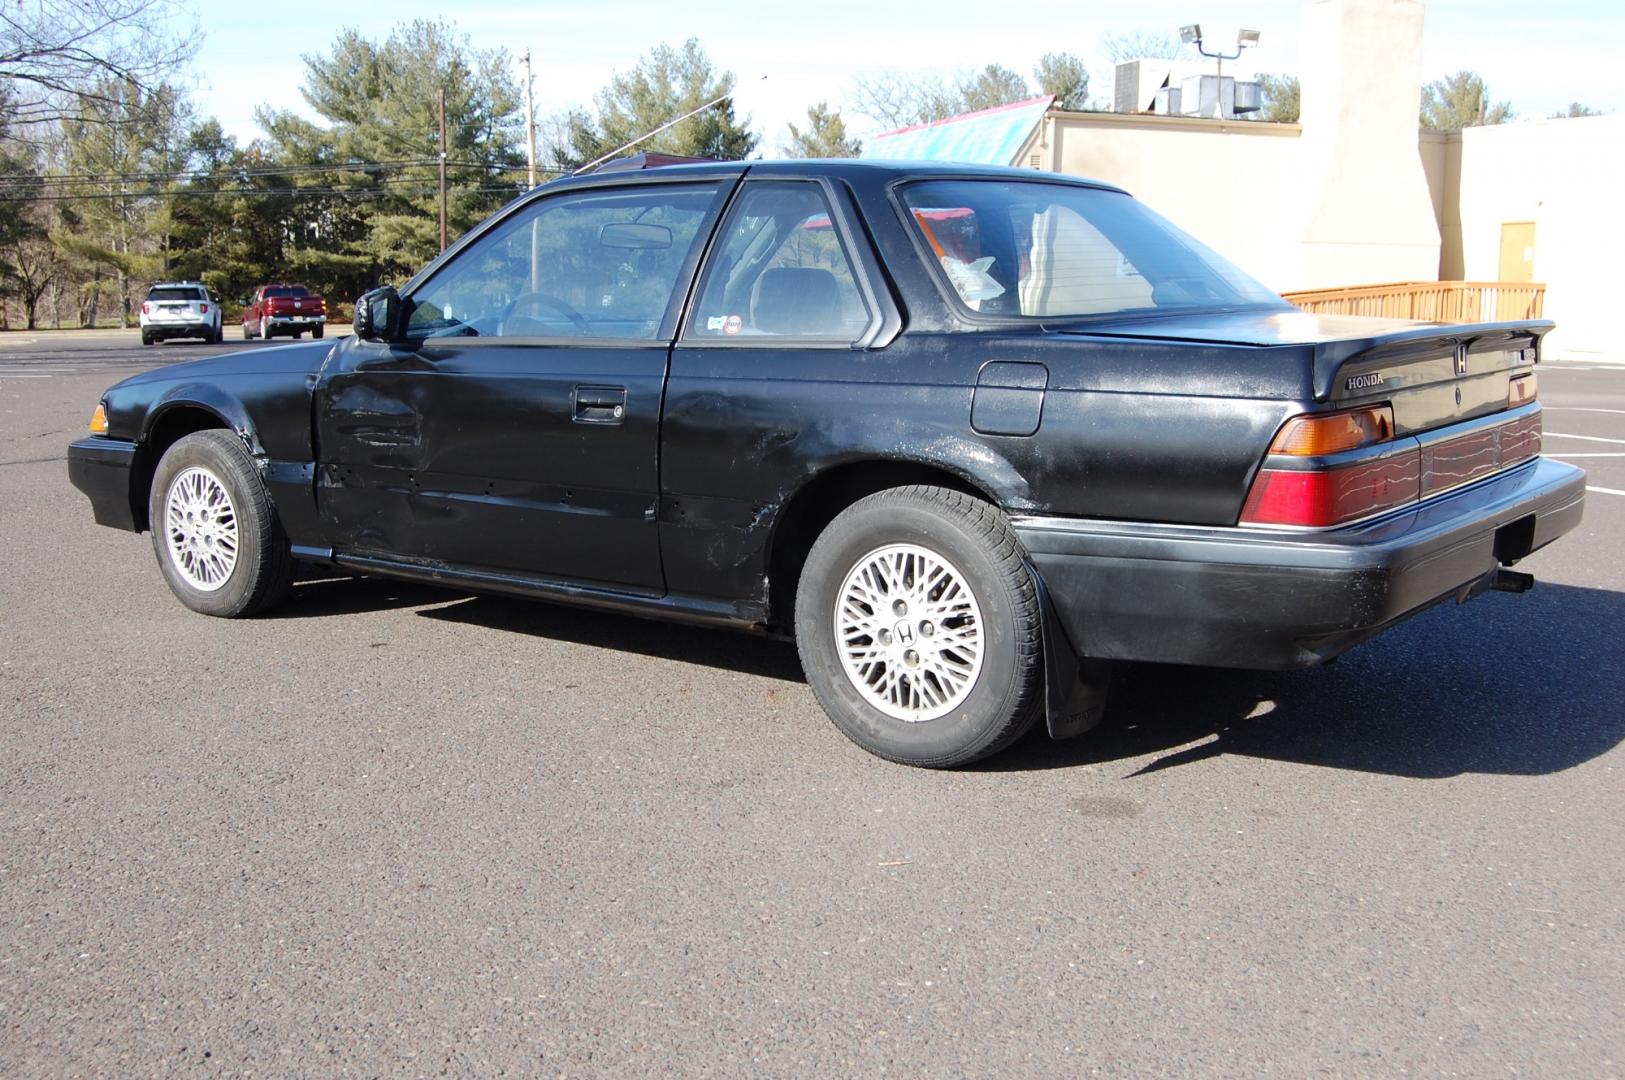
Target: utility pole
x=530, y=177
x=530, y=123
x=442, y=169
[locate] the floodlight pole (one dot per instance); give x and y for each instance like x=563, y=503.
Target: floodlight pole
x=1221, y=57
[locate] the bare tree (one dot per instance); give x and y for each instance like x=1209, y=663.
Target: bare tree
x=54, y=52
x=897, y=99
x=1142, y=45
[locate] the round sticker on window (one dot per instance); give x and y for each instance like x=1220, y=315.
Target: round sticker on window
x=732, y=325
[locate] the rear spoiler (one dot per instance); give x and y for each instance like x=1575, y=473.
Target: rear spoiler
x=1423, y=342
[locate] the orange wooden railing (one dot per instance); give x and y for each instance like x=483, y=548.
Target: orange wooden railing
x=1434, y=301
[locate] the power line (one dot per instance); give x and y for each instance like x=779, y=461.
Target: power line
x=270, y=170
x=425, y=188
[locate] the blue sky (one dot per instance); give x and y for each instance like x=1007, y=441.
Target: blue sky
x=1540, y=56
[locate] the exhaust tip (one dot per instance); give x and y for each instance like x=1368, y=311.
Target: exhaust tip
x=1512, y=581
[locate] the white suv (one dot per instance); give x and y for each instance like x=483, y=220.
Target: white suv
x=180, y=309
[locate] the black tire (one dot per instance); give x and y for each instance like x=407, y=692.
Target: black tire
x=317, y=331
x=263, y=571
x=297, y=334
x=146, y=338
x=977, y=541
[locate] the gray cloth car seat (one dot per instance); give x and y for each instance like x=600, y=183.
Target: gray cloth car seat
x=800, y=300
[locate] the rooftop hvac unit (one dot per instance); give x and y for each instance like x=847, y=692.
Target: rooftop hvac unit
x=1249, y=98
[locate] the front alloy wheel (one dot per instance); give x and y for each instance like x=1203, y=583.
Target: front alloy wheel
x=219, y=543
x=200, y=524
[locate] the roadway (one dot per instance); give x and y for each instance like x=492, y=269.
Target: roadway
x=393, y=829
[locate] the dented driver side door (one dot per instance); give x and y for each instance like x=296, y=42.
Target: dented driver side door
x=514, y=426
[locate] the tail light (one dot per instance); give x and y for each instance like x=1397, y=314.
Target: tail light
x=144, y=307
x=205, y=309
x=1299, y=486
x=324, y=305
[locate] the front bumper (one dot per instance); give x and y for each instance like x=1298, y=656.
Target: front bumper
x=101, y=469
x=1253, y=598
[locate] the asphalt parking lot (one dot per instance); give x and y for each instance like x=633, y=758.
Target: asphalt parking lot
x=399, y=830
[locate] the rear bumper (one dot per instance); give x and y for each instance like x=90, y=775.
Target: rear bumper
x=1275, y=599
x=178, y=329
x=101, y=469
x=296, y=320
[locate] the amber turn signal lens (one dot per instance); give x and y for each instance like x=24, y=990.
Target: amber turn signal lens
x=1521, y=390
x=98, y=421
x=1332, y=433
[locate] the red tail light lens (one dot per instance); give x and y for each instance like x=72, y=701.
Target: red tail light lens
x=205, y=309
x=1322, y=497
x=143, y=307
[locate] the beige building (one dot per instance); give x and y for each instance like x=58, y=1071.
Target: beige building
x=1354, y=194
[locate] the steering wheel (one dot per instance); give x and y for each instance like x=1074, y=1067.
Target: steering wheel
x=553, y=302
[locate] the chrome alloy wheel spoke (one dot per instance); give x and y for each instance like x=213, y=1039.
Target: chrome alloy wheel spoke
x=909, y=631
x=200, y=526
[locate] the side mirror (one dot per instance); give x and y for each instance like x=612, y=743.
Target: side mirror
x=376, y=314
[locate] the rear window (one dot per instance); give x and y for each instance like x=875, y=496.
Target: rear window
x=1058, y=251
x=286, y=290
x=177, y=292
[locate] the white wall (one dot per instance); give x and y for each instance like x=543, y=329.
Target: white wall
x=1224, y=182
x=1568, y=177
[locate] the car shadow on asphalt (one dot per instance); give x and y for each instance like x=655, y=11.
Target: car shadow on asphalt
x=1515, y=685
x=1512, y=685
x=727, y=649
x=318, y=594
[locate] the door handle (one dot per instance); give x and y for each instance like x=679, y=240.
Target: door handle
x=599, y=404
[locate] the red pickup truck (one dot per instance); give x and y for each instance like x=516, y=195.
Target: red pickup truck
x=283, y=309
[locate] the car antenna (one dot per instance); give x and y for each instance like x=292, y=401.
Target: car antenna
x=600, y=160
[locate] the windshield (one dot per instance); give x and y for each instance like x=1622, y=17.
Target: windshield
x=286, y=290
x=1058, y=251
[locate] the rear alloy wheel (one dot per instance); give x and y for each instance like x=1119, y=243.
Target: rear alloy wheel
x=246, y=335
x=265, y=329
x=216, y=534
x=918, y=627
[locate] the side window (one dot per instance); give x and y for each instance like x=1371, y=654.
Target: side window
x=588, y=264
x=780, y=270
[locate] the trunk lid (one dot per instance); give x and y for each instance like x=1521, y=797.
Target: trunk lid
x=1433, y=374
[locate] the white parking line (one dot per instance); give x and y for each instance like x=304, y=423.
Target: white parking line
x=1582, y=438
x=1582, y=408
x=1561, y=456
x=1605, y=491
